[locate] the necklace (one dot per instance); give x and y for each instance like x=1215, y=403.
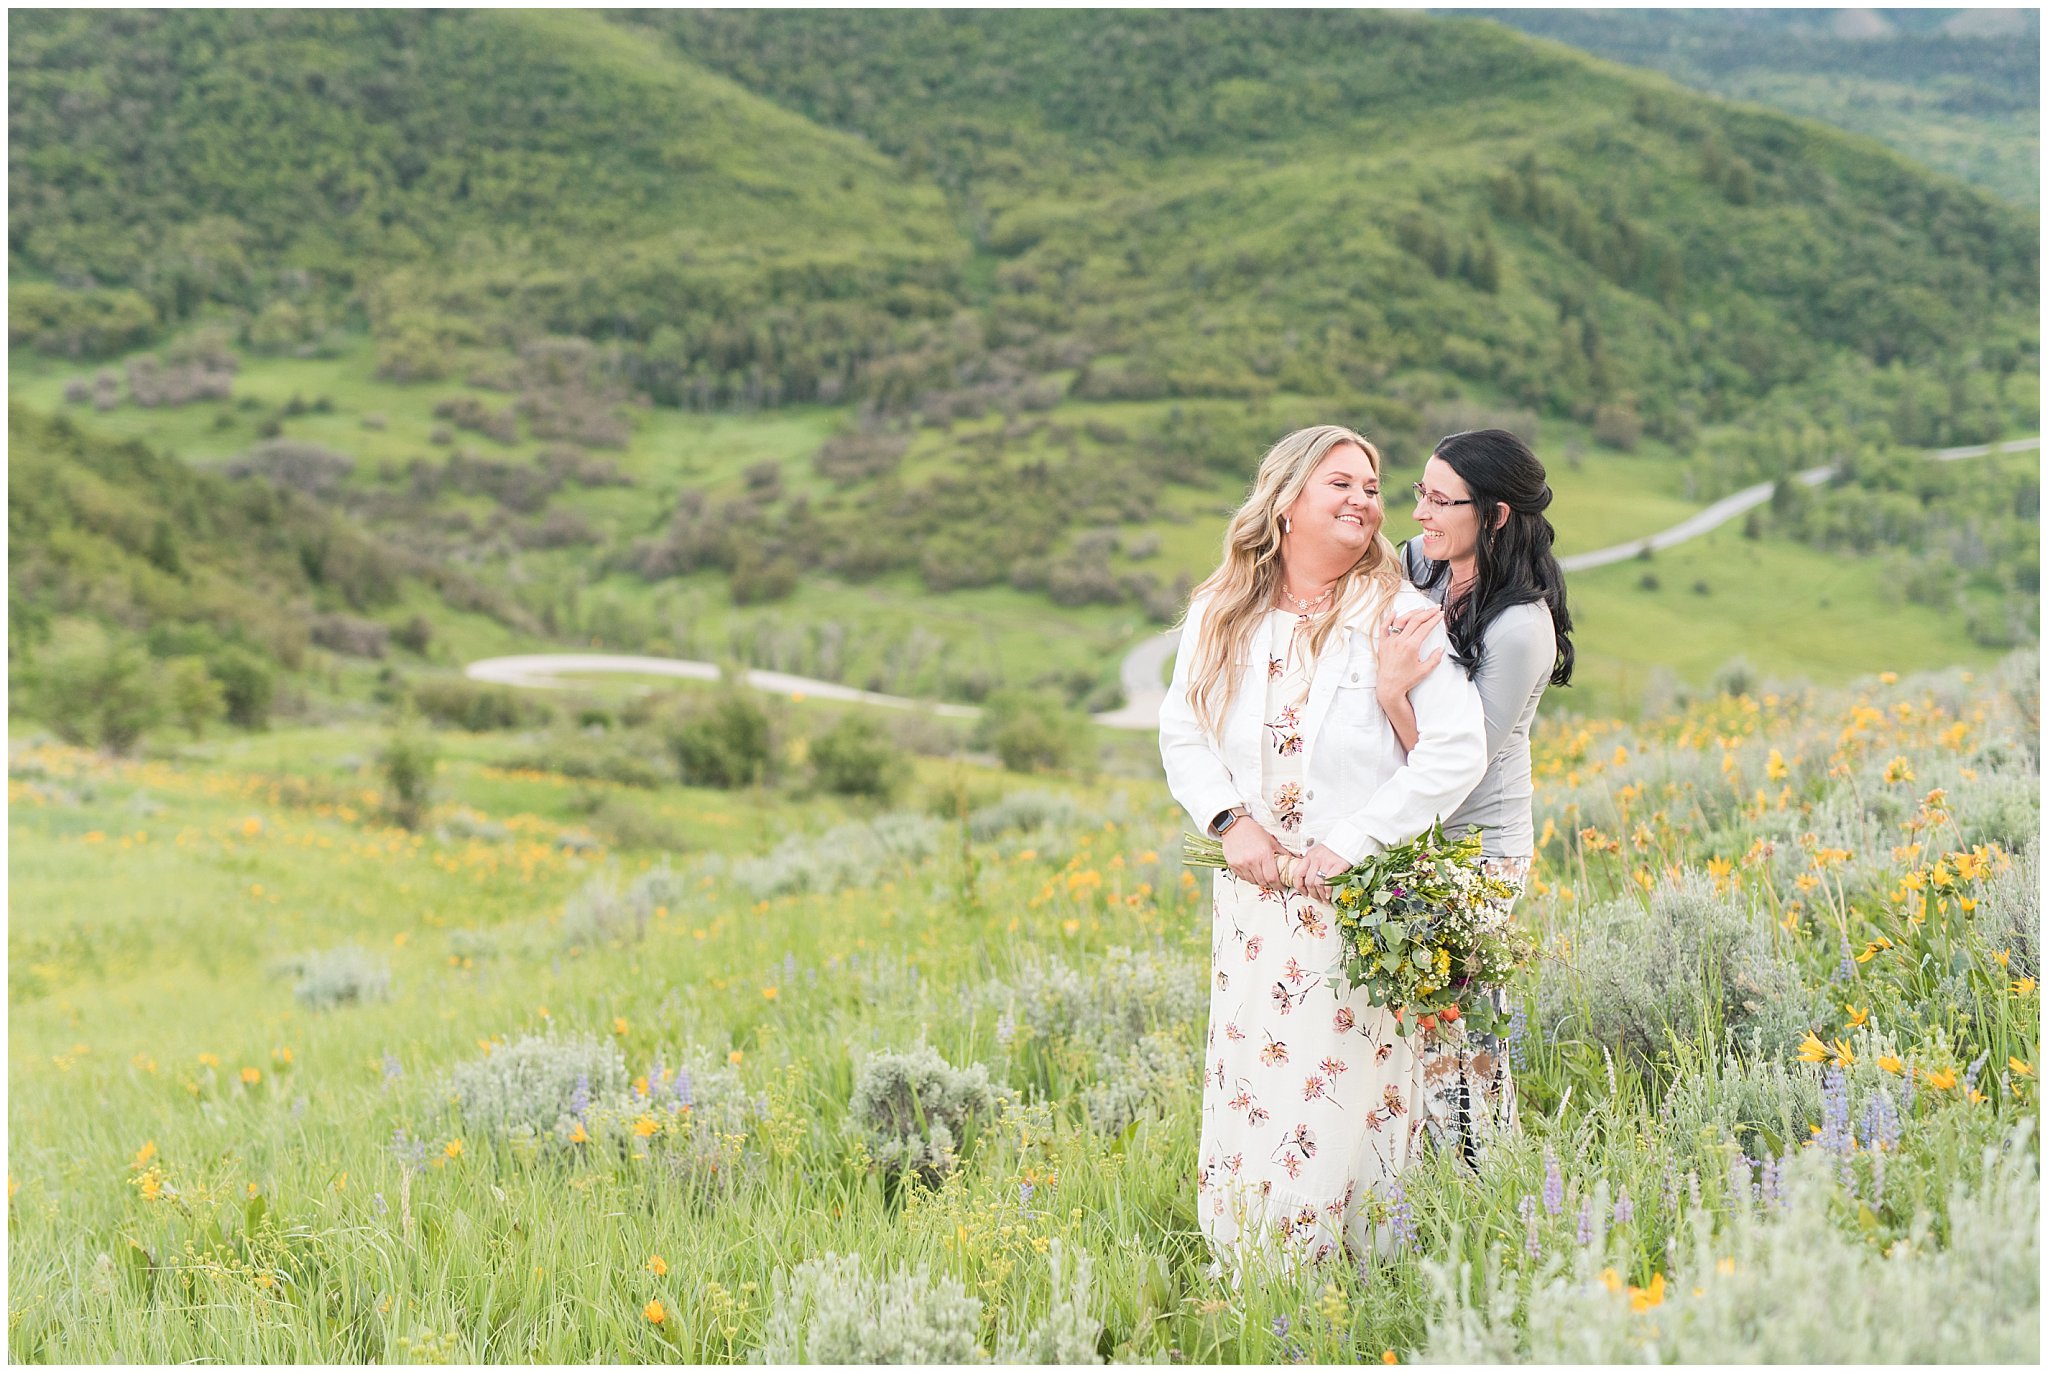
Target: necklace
x=1307, y=607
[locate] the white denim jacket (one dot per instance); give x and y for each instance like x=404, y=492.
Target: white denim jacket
x=1362, y=793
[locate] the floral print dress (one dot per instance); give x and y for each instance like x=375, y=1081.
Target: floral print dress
x=1309, y=1103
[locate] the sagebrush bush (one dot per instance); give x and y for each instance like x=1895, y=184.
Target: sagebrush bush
x=599, y=912
x=1764, y=1107
x=1109, y=1007
x=1021, y=810
x=914, y=1111
x=1694, y=964
x=1031, y=732
x=830, y=1311
x=340, y=977
x=1780, y=1285
x=858, y=853
x=533, y=1082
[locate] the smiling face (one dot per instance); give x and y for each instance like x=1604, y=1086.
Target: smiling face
x=1340, y=508
x=1450, y=533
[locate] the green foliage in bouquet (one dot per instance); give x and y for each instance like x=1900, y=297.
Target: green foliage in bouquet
x=1427, y=932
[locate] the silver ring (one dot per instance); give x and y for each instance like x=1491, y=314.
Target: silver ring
x=1395, y=630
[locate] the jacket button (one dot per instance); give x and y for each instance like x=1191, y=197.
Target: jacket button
x=1354, y=676
x=1310, y=796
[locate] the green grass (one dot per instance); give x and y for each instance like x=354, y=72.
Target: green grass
x=151, y=901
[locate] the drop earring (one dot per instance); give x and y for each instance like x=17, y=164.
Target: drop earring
x=1286, y=525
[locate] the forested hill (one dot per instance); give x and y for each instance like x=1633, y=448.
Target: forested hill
x=754, y=207
x=1958, y=90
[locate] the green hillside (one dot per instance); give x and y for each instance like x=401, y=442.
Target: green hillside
x=252, y=578
x=1956, y=90
x=927, y=351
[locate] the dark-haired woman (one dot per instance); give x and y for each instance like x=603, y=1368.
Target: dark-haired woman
x=1484, y=556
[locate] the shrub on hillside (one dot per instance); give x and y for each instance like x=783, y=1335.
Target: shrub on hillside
x=914, y=1112
x=346, y=976
x=726, y=744
x=532, y=1083
x=857, y=758
x=93, y=688
x=194, y=697
x=347, y=634
x=308, y=468
x=1692, y=965
x=477, y=706
x=247, y=684
x=407, y=762
x=95, y=323
x=600, y=913
x=1030, y=731
x=626, y=758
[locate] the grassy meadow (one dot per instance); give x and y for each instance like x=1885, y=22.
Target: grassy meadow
x=290, y=1082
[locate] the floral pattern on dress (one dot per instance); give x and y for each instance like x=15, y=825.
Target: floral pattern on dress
x=1308, y=1107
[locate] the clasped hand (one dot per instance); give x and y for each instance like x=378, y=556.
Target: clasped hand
x=1254, y=855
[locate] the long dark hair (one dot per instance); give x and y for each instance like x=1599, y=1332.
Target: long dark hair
x=1516, y=565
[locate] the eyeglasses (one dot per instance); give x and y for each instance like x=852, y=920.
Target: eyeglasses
x=1423, y=493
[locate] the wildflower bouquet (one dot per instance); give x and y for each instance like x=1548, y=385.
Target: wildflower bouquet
x=1424, y=929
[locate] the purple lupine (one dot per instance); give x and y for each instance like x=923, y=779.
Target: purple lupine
x=1670, y=1189
x=1738, y=1179
x=1553, y=1183
x=393, y=1069
x=1280, y=1326
x=1845, y=970
x=1970, y=1074
x=1528, y=1210
x=1024, y=1191
x=579, y=1100
x=1585, y=1222
x=1771, y=1191
x=1909, y=1091
x=1402, y=1218
x=686, y=1090
x=1692, y=1188
x=1006, y=1028
x=1624, y=1209
x=378, y=1204
x=411, y=1153
x=1518, y=1034
x=1881, y=1122
x=1835, y=1135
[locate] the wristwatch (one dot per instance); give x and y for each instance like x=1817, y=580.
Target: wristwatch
x=1226, y=818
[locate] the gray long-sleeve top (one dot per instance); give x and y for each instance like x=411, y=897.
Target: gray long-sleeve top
x=1520, y=653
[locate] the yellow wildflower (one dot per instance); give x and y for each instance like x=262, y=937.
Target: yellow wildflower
x=1857, y=1016
x=453, y=1148
x=1775, y=768
x=252, y=1076
x=657, y=1265
x=2023, y=987
x=770, y=993
x=1812, y=1049
x=578, y=1135
x=619, y=1025
x=654, y=1312
x=1611, y=1279
x=1942, y=1080
x=1725, y=1266
x=735, y=1056
x=645, y=1126
x=144, y=1154
x=1891, y=1064
x=2023, y=1069
x=1643, y=1298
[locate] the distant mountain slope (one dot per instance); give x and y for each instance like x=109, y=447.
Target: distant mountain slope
x=1220, y=201
x=1957, y=90
x=753, y=207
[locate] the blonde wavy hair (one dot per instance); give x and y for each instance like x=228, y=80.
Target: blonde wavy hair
x=1245, y=586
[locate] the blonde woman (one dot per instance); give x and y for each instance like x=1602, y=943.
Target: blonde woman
x=1274, y=741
